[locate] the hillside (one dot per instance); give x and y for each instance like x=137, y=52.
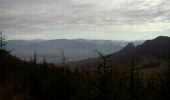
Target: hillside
x=20, y=80
x=157, y=49
x=7, y=58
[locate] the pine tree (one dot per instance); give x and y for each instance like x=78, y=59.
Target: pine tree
x=2, y=41
x=44, y=68
x=105, y=79
x=35, y=57
x=63, y=58
x=132, y=82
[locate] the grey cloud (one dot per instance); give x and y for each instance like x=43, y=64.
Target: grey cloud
x=30, y=15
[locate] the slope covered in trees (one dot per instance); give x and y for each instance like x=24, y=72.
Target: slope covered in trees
x=21, y=80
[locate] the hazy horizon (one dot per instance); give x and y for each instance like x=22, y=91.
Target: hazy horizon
x=38, y=39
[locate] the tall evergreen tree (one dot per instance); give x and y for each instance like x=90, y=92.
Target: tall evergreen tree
x=104, y=79
x=3, y=42
x=132, y=82
x=35, y=57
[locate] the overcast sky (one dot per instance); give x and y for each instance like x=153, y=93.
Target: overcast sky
x=89, y=19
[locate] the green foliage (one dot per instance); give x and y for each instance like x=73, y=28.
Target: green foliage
x=20, y=80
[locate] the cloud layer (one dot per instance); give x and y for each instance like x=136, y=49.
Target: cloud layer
x=66, y=18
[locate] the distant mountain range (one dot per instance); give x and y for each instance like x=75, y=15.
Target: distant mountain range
x=149, y=54
x=75, y=49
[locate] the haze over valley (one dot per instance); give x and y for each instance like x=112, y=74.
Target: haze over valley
x=74, y=49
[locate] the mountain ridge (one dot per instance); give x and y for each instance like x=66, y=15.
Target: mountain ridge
x=73, y=49
x=158, y=48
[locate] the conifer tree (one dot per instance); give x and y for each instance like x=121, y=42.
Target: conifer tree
x=105, y=79
x=63, y=58
x=35, y=57
x=2, y=41
x=132, y=82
